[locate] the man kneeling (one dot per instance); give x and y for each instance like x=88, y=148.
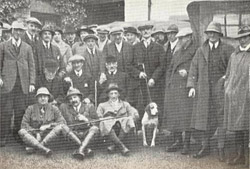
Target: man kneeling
x=120, y=119
x=78, y=115
x=41, y=120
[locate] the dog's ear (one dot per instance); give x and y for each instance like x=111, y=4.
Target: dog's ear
x=147, y=109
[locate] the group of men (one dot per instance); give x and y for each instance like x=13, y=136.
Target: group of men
x=102, y=82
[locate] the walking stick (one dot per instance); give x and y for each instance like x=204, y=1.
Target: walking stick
x=146, y=79
x=95, y=94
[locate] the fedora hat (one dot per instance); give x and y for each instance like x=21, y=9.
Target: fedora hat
x=113, y=86
x=214, y=27
x=18, y=25
x=131, y=30
x=90, y=36
x=58, y=29
x=243, y=31
x=73, y=91
x=172, y=28
x=86, y=29
x=76, y=57
x=33, y=20
x=43, y=91
x=184, y=32
x=47, y=27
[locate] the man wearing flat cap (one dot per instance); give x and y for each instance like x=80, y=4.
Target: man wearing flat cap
x=17, y=79
x=102, y=33
x=236, y=117
x=146, y=68
x=131, y=35
x=76, y=112
x=159, y=36
x=207, y=68
x=178, y=111
x=45, y=50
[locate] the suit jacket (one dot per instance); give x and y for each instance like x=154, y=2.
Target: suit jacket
x=94, y=65
x=123, y=57
x=26, y=39
x=12, y=62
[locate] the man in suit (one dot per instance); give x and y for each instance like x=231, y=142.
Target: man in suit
x=146, y=68
x=17, y=79
x=70, y=35
x=132, y=35
x=76, y=112
x=102, y=33
x=45, y=50
x=113, y=76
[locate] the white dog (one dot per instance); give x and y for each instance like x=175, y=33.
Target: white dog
x=150, y=119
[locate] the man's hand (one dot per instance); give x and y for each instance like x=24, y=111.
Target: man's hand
x=45, y=127
x=86, y=100
x=1, y=82
x=183, y=72
x=103, y=78
x=191, y=93
x=31, y=88
x=81, y=117
x=68, y=80
x=61, y=74
x=142, y=75
x=151, y=82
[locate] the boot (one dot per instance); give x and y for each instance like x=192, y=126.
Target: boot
x=124, y=150
x=204, y=151
x=221, y=154
x=186, y=145
x=177, y=144
x=111, y=149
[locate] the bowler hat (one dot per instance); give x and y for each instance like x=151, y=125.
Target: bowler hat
x=76, y=57
x=243, y=31
x=58, y=29
x=33, y=20
x=69, y=29
x=49, y=28
x=18, y=25
x=73, y=91
x=116, y=30
x=111, y=59
x=145, y=26
x=90, y=36
x=172, y=28
x=51, y=65
x=131, y=30
x=113, y=86
x=184, y=32
x=214, y=27
x=84, y=28
x=43, y=91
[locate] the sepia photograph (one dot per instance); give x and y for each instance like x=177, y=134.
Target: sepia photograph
x=124, y=84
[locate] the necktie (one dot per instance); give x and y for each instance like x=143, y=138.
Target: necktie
x=43, y=110
x=112, y=73
x=46, y=45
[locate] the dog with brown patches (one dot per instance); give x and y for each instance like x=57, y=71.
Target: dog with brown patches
x=150, y=120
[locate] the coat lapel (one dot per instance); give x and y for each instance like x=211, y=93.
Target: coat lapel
x=12, y=49
x=205, y=50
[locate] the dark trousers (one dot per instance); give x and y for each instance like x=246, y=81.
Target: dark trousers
x=12, y=102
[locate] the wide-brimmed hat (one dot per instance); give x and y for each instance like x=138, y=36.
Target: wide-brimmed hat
x=172, y=29
x=116, y=30
x=158, y=31
x=145, y=26
x=73, y=91
x=113, y=86
x=84, y=28
x=184, y=32
x=33, y=20
x=43, y=91
x=69, y=29
x=90, y=36
x=49, y=28
x=131, y=29
x=243, y=31
x=76, y=57
x=18, y=25
x=58, y=29
x=214, y=27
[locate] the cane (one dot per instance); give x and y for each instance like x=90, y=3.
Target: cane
x=146, y=79
x=95, y=94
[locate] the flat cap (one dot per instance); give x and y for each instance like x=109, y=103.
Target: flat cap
x=172, y=28
x=116, y=30
x=90, y=36
x=76, y=58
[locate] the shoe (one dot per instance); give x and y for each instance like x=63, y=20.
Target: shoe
x=111, y=149
x=174, y=147
x=239, y=158
x=202, y=153
x=185, y=150
x=221, y=154
x=89, y=152
x=48, y=153
x=29, y=150
x=125, y=151
x=78, y=155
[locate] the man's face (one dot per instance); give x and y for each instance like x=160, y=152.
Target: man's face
x=17, y=33
x=32, y=28
x=130, y=37
x=213, y=36
x=58, y=36
x=6, y=35
x=185, y=39
x=43, y=99
x=91, y=43
x=117, y=37
x=47, y=36
x=171, y=36
x=50, y=75
x=161, y=36
x=244, y=41
x=70, y=37
x=83, y=34
x=146, y=33
x=114, y=95
x=111, y=67
x=77, y=65
x=102, y=36
x=74, y=100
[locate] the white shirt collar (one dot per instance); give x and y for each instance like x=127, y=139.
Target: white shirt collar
x=102, y=44
x=147, y=41
x=78, y=73
x=16, y=43
x=119, y=46
x=113, y=72
x=245, y=49
x=44, y=44
x=29, y=35
x=89, y=50
x=173, y=44
x=78, y=107
x=216, y=44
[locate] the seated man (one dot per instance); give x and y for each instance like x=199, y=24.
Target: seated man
x=41, y=120
x=79, y=79
x=78, y=115
x=122, y=119
x=113, y=76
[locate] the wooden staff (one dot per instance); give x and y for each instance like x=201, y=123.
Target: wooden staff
x=95, y=94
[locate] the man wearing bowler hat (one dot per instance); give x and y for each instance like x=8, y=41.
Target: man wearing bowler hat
x=132, y=34
x=76, y=112
x=70, y=35
x=17, y=79
x=207, y=68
